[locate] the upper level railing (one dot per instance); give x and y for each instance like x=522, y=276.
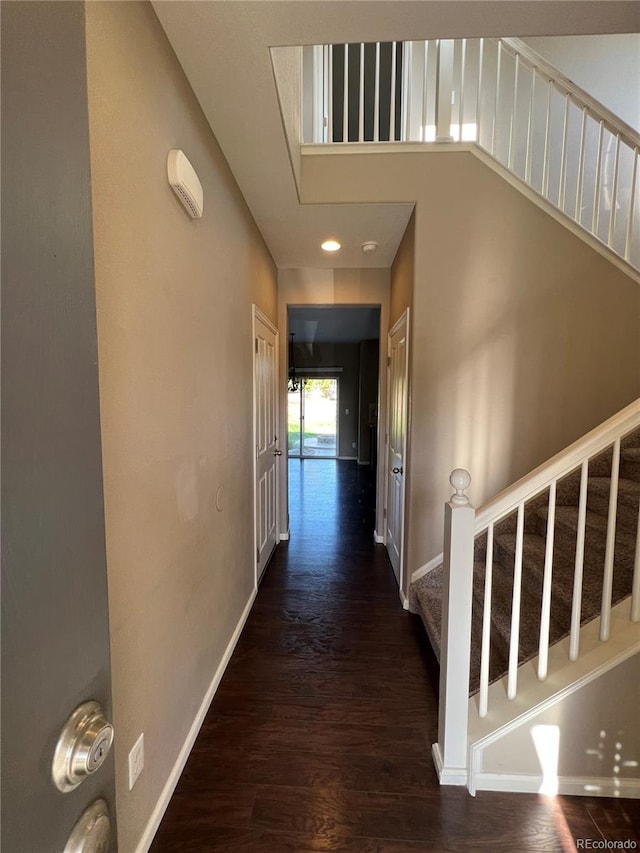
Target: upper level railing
x=497, y=94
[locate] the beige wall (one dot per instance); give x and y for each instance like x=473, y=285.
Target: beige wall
x=524, y=338
x=174, y=302
x=330, y=287
x=592, y=726
x=402, y=278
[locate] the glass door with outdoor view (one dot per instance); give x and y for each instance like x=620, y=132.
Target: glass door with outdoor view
x=313, y=418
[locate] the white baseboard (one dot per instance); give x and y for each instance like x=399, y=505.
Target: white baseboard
x=428, y=567
x=377, y=538
x=404, y=600
x=447, y=775
x=283, y=537
x=167, y=792
x=592, y=786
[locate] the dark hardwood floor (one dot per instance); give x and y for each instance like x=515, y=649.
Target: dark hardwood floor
x=320, y=734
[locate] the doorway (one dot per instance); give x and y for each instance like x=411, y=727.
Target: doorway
x=312, y=418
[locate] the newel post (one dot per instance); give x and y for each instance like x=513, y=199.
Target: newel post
x=450, y=752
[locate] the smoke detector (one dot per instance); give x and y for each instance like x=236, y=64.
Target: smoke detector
x=370, y=247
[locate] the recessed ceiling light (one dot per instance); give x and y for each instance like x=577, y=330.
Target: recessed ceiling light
x=330, y=246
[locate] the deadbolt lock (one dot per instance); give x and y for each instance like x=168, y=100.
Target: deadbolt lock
x=82, y=747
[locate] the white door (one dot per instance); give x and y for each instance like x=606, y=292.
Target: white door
x=397, y=440
x=265, y=384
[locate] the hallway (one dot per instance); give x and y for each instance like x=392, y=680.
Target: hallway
x=319, y=735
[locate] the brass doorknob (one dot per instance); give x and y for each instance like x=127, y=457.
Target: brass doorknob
x=277, y=453
x=397, y=470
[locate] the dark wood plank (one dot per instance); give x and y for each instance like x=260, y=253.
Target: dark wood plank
x=319, y=735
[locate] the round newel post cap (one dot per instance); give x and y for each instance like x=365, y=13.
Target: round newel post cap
x=460, y=480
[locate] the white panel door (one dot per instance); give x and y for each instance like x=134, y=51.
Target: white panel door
x=397, y=440
x=266, y=440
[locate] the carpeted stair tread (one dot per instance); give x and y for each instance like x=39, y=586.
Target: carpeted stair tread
x=628, y=499
x=428, y=590
x=533, y=559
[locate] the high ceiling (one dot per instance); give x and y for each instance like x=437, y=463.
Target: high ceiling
x=223, y=46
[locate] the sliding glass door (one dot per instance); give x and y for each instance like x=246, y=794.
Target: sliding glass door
x=313, y=418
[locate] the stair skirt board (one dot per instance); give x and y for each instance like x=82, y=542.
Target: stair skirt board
x=589, y=786
x=535, y=698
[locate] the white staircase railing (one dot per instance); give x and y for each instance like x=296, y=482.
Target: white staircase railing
x=460, y=535
x=496, y=94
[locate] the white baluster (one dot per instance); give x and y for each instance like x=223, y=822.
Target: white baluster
x=514, y=108
x=607, y=586
x=563, y=155
x=407, y=78
x=595, y=219
x=514, y=639
x=545, y=614
x=614, y=192
x=345, y=101
x=450, y=753
x=632, y=204
x=547, y=134
x=532, y=98
x=580, y=182
x=392, y=104
x=330, y=94
x=444, y=89
x=496, y=110
x=576, y=604
x=635, y=589
x=486, y=627
x=463, y=64
x=479, y=89
x=361, y=96
x=425, y=90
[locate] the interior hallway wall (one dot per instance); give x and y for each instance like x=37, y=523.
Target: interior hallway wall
x=174, y=300
x=524, y=337
x=327, y=287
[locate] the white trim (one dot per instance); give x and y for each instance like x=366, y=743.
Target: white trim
x=428, y=567
x=284, y=537
x=258, y=316
x=404, y=600
x=593, y=786
x=167, y=792
x=350, y=459
x=377, y=538
x=447, y=775
x=403, y=320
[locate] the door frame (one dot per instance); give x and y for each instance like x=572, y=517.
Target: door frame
x=257, y=314
x=403, y=318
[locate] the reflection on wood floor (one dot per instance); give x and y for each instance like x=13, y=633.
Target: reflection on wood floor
x=320, y=733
